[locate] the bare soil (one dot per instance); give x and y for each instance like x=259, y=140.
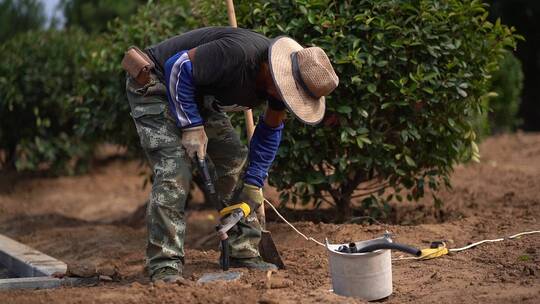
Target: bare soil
x=75, y=219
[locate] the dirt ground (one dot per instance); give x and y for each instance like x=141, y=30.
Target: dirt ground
x=72, y=219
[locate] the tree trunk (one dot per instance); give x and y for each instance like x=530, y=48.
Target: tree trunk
x=10, y=158
x=343, y=209
x=342, y=196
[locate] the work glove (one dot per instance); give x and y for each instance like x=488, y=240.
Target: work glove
x=195, y=141
x=252, y=196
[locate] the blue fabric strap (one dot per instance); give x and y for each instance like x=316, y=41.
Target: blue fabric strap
x=181, y=91
x=262, y=151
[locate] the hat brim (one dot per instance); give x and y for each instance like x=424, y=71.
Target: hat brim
x=306, y=108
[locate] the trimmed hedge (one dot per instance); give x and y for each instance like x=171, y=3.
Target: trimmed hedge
x=62, y=92
x=37, y=81
x=507, y=82
x=103, y=113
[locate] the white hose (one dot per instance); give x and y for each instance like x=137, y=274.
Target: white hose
x=493, y=241
x=405, y=258
x=291, y=225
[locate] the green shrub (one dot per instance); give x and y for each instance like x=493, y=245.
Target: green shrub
x=507, y=82
x=62, y=92
x=501, y=108
x=413, y=74
x=93, y=16
x=36, y=109
x=18, y=16
x=103, y=113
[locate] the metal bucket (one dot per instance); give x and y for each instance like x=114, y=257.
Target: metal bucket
x=367, y=276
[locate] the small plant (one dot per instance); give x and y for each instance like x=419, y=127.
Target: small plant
x=524, y=258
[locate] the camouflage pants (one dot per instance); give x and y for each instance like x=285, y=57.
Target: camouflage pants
x=161, y=141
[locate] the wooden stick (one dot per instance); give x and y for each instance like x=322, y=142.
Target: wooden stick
x=248, y=115
x=230, y=12
x=250, y=125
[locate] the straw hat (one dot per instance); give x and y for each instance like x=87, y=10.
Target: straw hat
x=303, y=76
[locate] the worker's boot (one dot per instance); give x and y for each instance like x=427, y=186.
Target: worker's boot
x=167, y=275
x=253, y=263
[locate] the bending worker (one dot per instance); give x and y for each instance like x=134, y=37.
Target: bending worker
x=178, y=91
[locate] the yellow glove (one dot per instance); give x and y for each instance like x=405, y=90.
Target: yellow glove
x=249, y=201
x=254, y=194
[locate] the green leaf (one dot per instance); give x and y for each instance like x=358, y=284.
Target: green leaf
x=359, y=142
x=316, y=179
x=410, y=161
x=362, y=130
x=363, y=113
x=428, y=90
x=364, y=139
x=344, y=109
x=311, y=18
x=386, y=105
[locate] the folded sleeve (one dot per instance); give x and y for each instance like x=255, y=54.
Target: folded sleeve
x=262, y=152
x=181, y=91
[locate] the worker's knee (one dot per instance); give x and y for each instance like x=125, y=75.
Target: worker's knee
x=165, y=217
x=172, y=180
x=169, y=192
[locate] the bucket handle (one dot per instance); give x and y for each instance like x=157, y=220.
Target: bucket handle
x=383, y=244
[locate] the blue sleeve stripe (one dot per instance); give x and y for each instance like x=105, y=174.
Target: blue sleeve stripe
x=173, y=87
x=179, y=75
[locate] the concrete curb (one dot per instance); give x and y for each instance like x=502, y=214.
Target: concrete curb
x=25, y=261
x=45, y=282
x=33, y=268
